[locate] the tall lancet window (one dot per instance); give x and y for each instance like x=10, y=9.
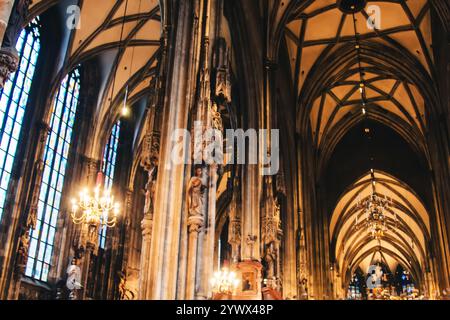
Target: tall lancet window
x=108, y=168
x=13, y=101
x=55, y=159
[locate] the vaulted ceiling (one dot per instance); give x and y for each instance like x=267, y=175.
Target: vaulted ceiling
x=405, y=242
x=325, y=65
x=125, y=34
x=330, y=54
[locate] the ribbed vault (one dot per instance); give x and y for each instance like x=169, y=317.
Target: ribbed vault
x=125, y=34
x=396, y=60
x=406, y=242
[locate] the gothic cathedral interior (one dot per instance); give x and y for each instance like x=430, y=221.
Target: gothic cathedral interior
x=224, y=150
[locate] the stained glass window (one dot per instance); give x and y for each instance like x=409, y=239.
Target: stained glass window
x=109, y=165
x=55, y=161
x=13, y=101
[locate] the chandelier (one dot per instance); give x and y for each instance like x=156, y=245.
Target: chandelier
x=374, y=208
x=224, y=282
x=98, y=209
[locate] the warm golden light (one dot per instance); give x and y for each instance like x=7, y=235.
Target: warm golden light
x=224, y=282
x=98, y=209
x=125, y=111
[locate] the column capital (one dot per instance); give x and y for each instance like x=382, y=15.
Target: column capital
x=150, y=150
x=195, y=223
x=8, y=64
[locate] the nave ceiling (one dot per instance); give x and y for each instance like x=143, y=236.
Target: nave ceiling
x=397, y=61
x=324, y=66
x=124, y=36
x=405, y=243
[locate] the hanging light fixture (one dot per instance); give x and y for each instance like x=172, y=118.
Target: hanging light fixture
x=374, y=207
x=353, y=7
x=224, y=282
x=125, y=109
x=97, y=208
x=374, y=210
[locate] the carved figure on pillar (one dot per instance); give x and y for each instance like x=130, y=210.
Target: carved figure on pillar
x=272, y=234
x=304, y=289
x=222, y=63
x=234, y=236
x=88, y=239
x=270, y=258
x=234, y=229
x=196, y=221
x=251, y=239
x=22, y=252
x=302, y=270
x=195, y=201
x=150, y=191
x=216, y=118
x=125, y=293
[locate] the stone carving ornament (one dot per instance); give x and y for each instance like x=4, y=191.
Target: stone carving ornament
x=195, y=201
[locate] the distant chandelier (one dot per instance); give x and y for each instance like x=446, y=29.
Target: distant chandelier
x=351, y=6
x=98, y=209
x=374, y=209
x=224, y=282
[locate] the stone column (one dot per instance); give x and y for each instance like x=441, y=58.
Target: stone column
x=149, y=162
x=5, y=11
x=271, y=236
x=146, y=225
x=207, y=257
x=120, y=248
x=12, y=17
x=213, y=106
x=195, y=224
x=163, y=268
x=234, y=228
x=30, y=217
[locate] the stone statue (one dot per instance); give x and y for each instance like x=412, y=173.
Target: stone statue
x=124, y=292
x=270, y=259
x=73, y=282
x=22, y=252
x=150, y=191
x=195, y=192
x=251, y=239
x=216, y=118
x=222, y=67
x=304, y=289
x=234, y=240
x=91, y=236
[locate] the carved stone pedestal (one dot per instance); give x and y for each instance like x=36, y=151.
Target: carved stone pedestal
x=249, y=274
